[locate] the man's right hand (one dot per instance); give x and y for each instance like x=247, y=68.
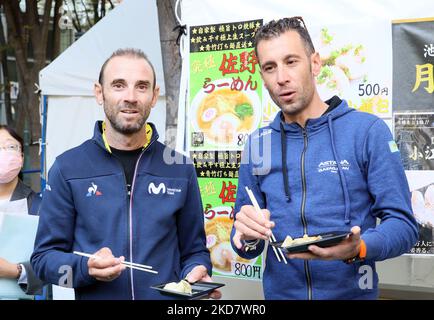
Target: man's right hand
x=251, y=225
x=104, y=266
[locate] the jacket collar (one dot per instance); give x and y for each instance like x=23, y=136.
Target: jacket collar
x=312, y=124
x=98, y=137
x=21, y=191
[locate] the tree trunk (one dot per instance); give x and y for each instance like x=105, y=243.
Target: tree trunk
x=171, y=66
x=56, y=32
x=96, y=16
x=7, y=90
x=6, y=80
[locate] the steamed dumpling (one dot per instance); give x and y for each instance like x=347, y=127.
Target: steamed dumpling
x=181, y=286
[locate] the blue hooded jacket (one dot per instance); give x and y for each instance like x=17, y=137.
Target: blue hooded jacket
x=342, y=170
x=86, y=207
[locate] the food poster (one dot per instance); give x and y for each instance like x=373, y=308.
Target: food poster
x=269, y=110
x=225, y=86
x=217, y=173
x=414, y=135
x=421, y=184
x=413, y=103
x=413, y=65
x=225, y=106
x=356, y=64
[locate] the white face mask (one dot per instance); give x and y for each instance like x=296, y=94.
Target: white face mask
x=10, y=165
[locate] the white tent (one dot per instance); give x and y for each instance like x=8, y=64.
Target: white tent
x=67, y=82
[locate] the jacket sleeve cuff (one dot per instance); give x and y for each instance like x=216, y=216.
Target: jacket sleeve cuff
x=250, y=248
x=374, y=246
x=86, y=278
x=186, y=270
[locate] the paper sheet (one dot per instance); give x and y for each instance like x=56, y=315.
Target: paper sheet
x=17, y=237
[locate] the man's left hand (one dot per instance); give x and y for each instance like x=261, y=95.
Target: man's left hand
x=346, y=249
x=199, y=273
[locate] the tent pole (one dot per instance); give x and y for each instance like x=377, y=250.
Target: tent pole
x=43, y=141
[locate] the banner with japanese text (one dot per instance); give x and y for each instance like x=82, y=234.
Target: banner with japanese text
x=413, y=65
x=414, y=137
x=413, y=102
x=224, y=107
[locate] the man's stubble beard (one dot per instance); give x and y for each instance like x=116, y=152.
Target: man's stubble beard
x=117, y=125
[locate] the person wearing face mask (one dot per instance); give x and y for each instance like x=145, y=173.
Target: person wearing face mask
x=16, y=198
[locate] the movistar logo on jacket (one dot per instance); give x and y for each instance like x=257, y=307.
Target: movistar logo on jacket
x=332, y=166
x=160, y=188
x=156, y=190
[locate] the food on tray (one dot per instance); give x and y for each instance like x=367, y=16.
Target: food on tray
x=292, y=242
x=182, y=286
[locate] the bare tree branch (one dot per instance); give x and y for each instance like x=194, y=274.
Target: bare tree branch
x=5, y=70
x=15, y=38
x=96, y=16
x=56, y=29
x=87, y=14
x=76, y=20
x=102, y=8
x=40, y=37
x=32, y=12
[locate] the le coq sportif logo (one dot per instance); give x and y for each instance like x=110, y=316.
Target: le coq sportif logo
x=152, y=188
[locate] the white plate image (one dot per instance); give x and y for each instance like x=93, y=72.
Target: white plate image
x=223, y=257
x=224, y=117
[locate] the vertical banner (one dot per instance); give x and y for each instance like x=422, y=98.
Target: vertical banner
x=421, y=183
x=413, y=65
x=422, y=201
x=414, y=134
x=413, y=98
x=225, y=106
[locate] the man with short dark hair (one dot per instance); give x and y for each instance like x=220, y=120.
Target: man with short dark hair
x=116, y=198
x=331, y=169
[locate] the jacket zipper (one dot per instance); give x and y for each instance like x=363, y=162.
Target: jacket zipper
x=128, y=199
x=128, y=193
x=303, y=218
x=131, y=216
